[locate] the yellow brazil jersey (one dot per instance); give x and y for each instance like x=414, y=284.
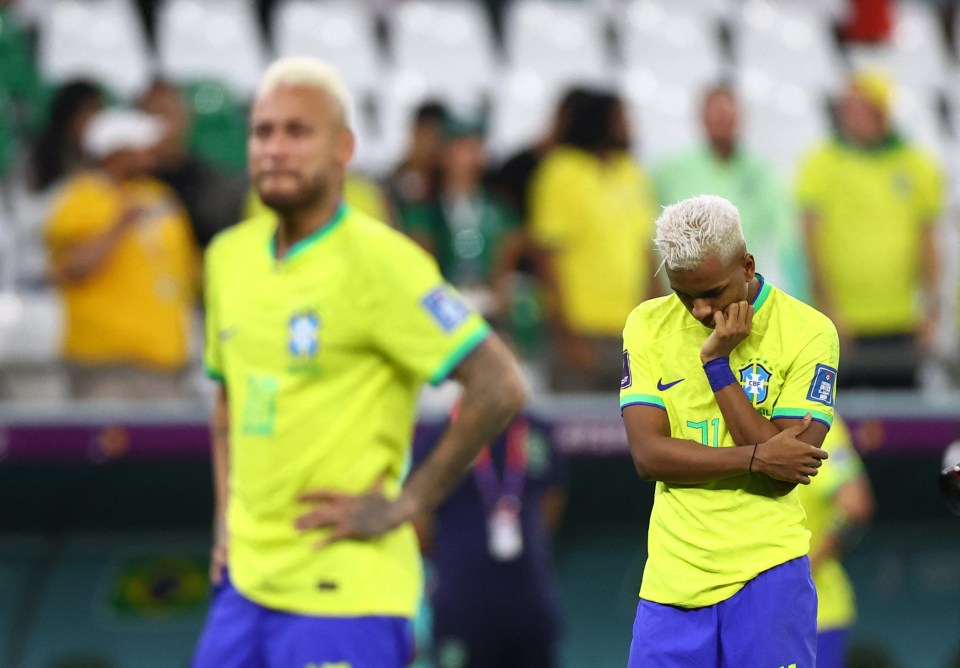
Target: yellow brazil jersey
x=137, y=307
x=322, y=354
x=836, y=606
x=597, y=216
x=872, y=206
x=706, y=541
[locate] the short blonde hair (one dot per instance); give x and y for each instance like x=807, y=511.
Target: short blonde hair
x=693, y=229
x=311, y=73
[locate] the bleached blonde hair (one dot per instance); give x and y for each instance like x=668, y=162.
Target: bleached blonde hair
x=311, y=73
x=695, y=228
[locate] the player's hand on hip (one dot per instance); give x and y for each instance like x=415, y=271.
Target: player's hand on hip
x=785, y=457
x=731, y=326
x=347, y=516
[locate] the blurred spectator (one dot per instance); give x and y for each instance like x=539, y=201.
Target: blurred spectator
x=722, y=166
x=58, y=152
x=591, y=215
x=493, y=599
x=472, y=233
x=213, y=200
x=838, y=503
x=871, y=200
x=515, y=175
x=122, y=253
x=414, y=180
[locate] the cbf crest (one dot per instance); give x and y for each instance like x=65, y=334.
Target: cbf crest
x=304, y=334
x=755, y=380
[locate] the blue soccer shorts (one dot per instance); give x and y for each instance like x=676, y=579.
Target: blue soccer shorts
x=770, y=623
x=242, y=634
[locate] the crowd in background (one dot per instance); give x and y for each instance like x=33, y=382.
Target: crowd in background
x=551, y=243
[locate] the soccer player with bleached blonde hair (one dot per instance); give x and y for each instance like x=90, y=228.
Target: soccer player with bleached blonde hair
x=727, y=394
x=322, y=325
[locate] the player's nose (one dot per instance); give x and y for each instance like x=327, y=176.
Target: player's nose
x=702, y=309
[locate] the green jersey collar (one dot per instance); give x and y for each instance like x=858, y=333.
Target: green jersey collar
x=763, y=291
x=312, y=238
x=891, y=140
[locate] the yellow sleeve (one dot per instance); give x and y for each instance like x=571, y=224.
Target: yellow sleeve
x=552, y=218
x=811, y=380
x=82, y=211
x=639, y=384
x=812, y=181
x=419, y=321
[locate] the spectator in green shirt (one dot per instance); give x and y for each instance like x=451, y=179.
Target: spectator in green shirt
x=721, y=166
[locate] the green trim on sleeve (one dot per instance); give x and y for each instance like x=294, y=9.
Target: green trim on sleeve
x=214, y=375
x=646, y=399
x=459, y=353
x=799, y=413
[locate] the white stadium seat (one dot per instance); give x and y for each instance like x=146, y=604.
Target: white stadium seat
x=341, y=32
x=448, y=44
x=562, y=42
x=101, y=40
x=211, y=39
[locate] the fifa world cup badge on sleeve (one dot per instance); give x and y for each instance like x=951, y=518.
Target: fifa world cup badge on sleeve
x=445, y=307
x=822, y=387
x=627, y=379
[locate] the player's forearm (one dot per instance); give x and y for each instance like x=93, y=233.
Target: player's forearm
x=493, y=394
x=220, y=454
x=745, y=424
x=679, y=462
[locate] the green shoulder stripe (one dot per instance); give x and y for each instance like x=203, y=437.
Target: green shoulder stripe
x=460, y=352
x=799, y=414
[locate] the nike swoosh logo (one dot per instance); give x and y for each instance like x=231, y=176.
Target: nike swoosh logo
x=666, y=386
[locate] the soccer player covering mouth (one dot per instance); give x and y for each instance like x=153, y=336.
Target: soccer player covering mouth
x=727, y=394
x=322, y=325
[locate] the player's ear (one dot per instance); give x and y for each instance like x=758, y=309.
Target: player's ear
x=749, y=266
x=346, y=144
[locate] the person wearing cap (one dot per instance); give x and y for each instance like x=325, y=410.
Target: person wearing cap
x=122, y=252
x=871, y=200
x=474, y=235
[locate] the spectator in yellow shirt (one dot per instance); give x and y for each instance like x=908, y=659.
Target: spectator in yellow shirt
x=871, y=201
x=122, y=252
x=592, y=209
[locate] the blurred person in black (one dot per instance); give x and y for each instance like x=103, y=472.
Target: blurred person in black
x=58, y=152
x=493, y=596
x=414, y=180
x=474, y=235
x=213, y=200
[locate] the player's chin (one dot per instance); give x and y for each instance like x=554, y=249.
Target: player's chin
x=280, y=199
